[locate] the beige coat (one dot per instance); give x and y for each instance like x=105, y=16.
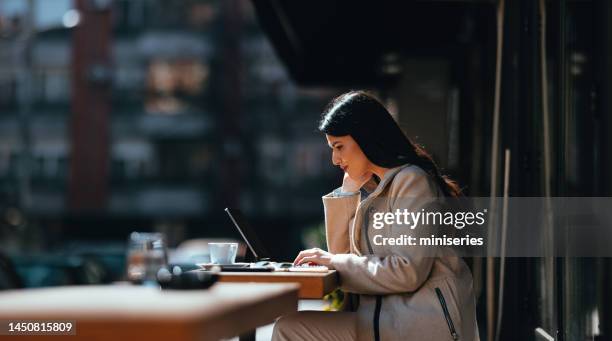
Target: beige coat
x=397, y=284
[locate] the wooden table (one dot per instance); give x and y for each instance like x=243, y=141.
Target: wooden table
x=123, y=312
x=312, y=284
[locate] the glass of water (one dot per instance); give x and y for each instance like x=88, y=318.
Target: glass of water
x=147, y=254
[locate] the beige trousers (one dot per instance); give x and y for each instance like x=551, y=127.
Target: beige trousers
x=316, y=325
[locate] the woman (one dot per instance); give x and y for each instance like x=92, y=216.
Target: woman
x=402, y=292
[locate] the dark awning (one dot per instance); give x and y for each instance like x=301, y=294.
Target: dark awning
x=337, y=42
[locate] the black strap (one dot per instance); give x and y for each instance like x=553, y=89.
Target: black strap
x=376, y=321
x=377, y=318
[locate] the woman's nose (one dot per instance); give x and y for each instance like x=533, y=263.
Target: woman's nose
x=335, y=159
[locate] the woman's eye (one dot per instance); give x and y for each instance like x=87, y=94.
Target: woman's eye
x=339, y=147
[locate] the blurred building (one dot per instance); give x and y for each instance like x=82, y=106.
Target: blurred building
x=200, y=114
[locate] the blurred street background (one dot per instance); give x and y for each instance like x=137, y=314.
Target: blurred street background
x=151, y=115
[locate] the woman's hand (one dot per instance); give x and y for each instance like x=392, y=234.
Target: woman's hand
x=316, y=255
x=351, y=185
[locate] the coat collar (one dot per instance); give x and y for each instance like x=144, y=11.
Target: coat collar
x=355, y=235
x=389, y=175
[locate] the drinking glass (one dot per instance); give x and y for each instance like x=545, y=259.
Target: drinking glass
x=147, y=253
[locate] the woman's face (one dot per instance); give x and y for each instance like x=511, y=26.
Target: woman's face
x=347, y=155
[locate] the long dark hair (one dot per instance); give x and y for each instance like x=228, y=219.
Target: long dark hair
x=361, y=115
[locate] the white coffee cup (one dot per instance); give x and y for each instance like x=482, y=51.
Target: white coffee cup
x=223, y=253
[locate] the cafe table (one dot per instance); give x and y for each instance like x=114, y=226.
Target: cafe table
x=126, y=312
x=313, y=285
